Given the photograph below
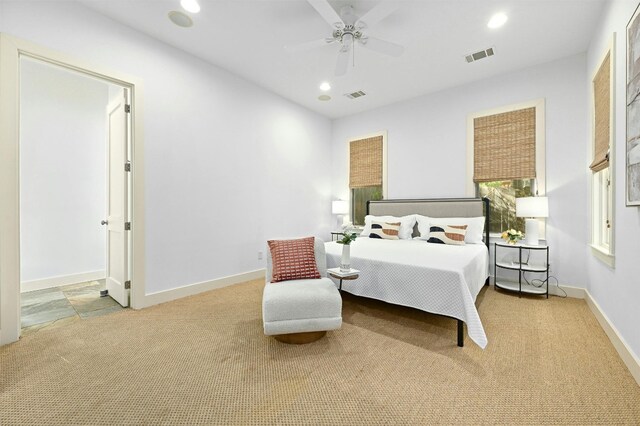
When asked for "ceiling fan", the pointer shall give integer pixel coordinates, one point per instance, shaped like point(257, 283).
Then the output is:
point(349, 30)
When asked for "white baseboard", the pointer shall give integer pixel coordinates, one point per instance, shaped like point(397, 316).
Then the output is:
point(60, 281)
point(628, 357)
point(573, 292)
point(191, 289)
point(626, 354)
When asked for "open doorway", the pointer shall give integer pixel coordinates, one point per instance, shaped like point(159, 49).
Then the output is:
point(73, 129)
point(130, 218)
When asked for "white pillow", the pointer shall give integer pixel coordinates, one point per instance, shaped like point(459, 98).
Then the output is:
point(475, 226)
point(406, 225)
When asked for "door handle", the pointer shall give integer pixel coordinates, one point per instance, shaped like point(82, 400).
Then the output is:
point(104, 222)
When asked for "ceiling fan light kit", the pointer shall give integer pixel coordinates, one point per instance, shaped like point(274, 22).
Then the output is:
point(348, 30)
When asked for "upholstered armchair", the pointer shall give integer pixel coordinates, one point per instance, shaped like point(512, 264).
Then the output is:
point(300, 310)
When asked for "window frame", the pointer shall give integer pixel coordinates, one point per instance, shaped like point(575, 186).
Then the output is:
point(382, 133)
point(602, 206)
point(603, 182)
point(540, 180)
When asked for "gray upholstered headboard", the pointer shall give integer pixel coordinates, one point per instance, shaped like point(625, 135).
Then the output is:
point(435, 207)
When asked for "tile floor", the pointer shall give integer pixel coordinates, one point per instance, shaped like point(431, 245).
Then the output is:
point(61, 305)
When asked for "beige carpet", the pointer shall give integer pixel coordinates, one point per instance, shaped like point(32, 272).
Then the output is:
point(204, 360)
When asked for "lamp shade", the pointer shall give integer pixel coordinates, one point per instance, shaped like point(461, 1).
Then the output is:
point(340, 207)
point(532, 207)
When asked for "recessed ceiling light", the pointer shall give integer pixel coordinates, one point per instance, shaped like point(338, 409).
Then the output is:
point(190, 5)
point(180, 19)
point(497, 20)
point(324, 98)
point(325, 87)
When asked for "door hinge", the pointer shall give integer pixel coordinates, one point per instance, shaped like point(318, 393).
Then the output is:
point(127, 108)
point(127, 166)
point(127, 226)
point(127, 285)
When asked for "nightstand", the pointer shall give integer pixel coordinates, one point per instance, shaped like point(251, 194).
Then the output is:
point(522, 265)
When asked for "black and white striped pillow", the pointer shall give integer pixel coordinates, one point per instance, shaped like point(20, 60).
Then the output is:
point(385, 230)
point(447, 234)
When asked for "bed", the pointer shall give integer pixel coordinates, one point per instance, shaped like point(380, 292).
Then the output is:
point(435, 278)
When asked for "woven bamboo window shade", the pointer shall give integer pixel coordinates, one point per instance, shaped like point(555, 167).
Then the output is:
point(602, 110)
point(365, 162)
point(504, 146)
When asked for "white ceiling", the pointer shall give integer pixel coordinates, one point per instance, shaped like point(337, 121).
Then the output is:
point(247, 37)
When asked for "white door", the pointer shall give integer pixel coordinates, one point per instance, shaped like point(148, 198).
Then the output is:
point(117, 205)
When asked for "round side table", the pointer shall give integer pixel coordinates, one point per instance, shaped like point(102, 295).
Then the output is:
point(343, 277)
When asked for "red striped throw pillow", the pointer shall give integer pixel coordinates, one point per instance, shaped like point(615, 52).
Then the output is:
point(293, 259)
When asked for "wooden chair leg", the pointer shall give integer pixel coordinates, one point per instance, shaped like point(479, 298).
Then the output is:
point(300, 338)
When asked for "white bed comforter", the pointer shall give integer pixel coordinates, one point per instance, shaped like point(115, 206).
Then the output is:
point(438, 278)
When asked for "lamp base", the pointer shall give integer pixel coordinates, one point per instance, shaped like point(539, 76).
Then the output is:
point(531, 232)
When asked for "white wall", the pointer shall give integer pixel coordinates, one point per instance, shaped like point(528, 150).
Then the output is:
point(62, 172)
point(228, 164)
point(427, 148)
point(617, 290)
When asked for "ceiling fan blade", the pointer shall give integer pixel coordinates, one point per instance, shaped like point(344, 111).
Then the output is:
point(343, 61)
point(308, 45)
point(326, 11)
point(377, 14)
point(382, 46)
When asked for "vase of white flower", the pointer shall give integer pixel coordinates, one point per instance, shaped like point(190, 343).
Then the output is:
point(348, 237)
point(345, 261)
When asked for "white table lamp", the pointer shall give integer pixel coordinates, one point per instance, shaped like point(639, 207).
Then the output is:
point(532, 208)
point(340, 207)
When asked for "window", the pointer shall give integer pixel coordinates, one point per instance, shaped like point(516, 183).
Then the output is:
point(503, 194)
point(367, 173)
point(601, 235)
point(602, 179)
point(505, 160)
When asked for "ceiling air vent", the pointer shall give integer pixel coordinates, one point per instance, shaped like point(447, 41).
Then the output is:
point(479, 55)
point(355, 95)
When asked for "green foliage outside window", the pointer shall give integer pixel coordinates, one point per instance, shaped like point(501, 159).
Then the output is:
point(503, 196)
point(359, 198)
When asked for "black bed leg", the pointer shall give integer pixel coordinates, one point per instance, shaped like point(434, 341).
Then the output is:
point(460, 333)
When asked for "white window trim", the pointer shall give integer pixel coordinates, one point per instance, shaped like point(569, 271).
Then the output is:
point(607, 258)
point(541, 183)
point(382, 133)
point(606, 253)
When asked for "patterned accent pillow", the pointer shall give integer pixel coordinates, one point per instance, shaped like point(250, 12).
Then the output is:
point(447, 234)
point(385, 230)
point(293, 259)
point(407, 224)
